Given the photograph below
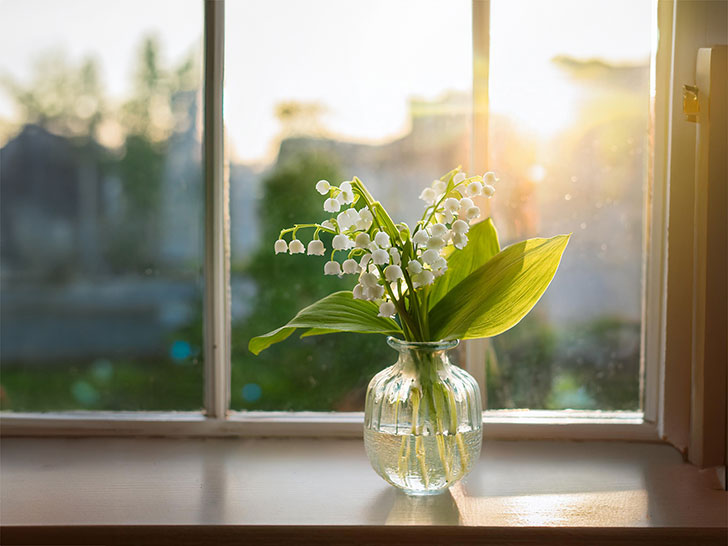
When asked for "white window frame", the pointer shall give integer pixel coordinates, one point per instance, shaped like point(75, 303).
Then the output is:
point(654, 424)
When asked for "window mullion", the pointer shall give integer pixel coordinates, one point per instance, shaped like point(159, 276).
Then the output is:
point(217, 221)
point(476, 350)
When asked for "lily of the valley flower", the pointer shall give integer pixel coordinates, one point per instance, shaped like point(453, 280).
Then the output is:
point(296, 247)
point(341, 242)
point(315, 248)
point(350, 267)
point(380, 257)
point(332, 205)
point(280, 246)
point(323, 187)
point(332, 268)
point(392, 273)
point(387, 309)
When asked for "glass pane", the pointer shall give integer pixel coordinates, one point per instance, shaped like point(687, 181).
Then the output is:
point(101, 205)
point(568, 137)
point(376, 89)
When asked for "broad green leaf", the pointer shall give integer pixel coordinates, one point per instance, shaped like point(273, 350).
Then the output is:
point(497, 295)
point(482, 246)
point(337, 312)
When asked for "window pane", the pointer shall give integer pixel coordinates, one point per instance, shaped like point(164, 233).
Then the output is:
point(101, 205)
point(568, 134)
point(376, 89)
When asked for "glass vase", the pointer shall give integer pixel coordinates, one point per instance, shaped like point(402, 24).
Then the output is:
point(423, 419)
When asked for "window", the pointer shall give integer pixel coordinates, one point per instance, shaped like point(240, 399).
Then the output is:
point(101, 206)
point(291, 119)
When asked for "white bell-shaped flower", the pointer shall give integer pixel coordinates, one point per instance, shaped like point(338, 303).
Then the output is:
point(472, 213)
point(414, 267)
point(382, 239)
point(358, 292)
point(368, 279)
point(460, 227)
point(350, 267)
point(473, 189)
point(429, 256)
point(465, 204)
point(394, 253)
point(346, 195)
point(365, 220)
point(362, 240)
point(451, 204)
point(323, 187)
point(488, 190)
point(392, 273)
point(374, 292)
point(372, 247)
point(387, 309)
point(296, 247)
point(344, 220)
point(365, 260)
point(438, 230)
point(423, 278)
point(280, 246)
point(439, 186)
point(332, 205)
point(489, 178)
point(421, 237)
point(459, 178)
point(380, 257)
point(439, 266)
point(340, 242)
point(315, 248)
point(436, 243)
point(332, 268)
point(328, 224)
point(459, 240)
point(428, 195)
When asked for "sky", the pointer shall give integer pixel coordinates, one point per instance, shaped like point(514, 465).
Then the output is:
point(361, 60)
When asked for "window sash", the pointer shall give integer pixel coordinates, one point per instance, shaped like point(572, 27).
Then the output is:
point(217, 419)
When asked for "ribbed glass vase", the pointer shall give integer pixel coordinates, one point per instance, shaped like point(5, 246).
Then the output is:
point(423, 419)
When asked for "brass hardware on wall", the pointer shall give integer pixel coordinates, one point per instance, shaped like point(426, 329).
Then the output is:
point(691, 106)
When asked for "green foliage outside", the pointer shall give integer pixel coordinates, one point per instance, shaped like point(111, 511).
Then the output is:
point(328, 372)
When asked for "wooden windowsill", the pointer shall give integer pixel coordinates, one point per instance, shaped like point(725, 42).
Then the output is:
point(188, 491)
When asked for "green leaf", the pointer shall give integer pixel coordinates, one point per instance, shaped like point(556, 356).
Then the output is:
point(482, 246)
point(497, 295)
point(337, 312)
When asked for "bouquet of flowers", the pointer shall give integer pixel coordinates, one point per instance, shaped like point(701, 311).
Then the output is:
point(444, 278)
